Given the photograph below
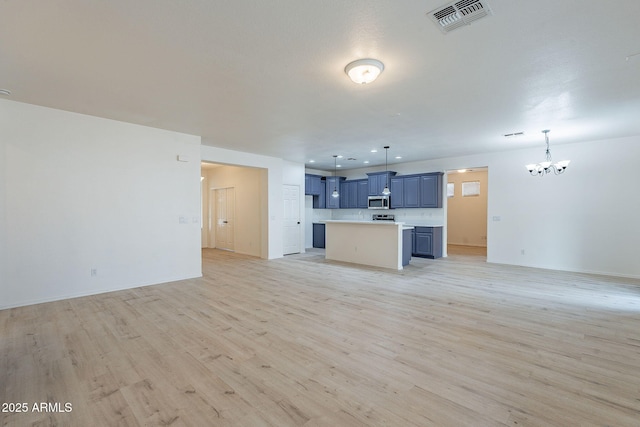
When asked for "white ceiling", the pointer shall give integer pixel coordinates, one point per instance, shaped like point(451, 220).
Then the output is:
point(268, 76)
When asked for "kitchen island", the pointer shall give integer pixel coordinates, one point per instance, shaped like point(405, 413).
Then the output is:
point(375, 243)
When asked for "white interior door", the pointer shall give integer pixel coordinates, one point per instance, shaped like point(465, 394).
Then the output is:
point(291, 221)
point(224, 218)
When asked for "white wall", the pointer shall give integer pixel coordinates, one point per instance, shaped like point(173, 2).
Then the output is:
point(279, 172)
point(584, 220)
point(81, 193)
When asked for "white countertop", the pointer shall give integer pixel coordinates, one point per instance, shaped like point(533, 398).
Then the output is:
point(404, 224)
point(346, 221)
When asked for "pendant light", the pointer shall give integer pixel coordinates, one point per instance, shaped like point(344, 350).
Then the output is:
point(335, 181)
point(385, 190)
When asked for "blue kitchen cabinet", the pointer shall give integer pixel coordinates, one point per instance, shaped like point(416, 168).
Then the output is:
point(349, 195)
point(396, 185)
point(354, 194)
point(318, 235)
point(427, 242)
point(405, 191)
point(407, 245)
point(312, 184)
point(333, 182)
point(431, 190)
point(320, 201)
point(377, 181)
point(363, 193)
point(411, 192)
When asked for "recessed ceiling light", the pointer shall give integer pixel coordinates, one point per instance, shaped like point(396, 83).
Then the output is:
point(5, 92)
point(339, 156)
point(398, 157)
point(366, 162)
point(338, 166)
point(312, 161)
point(374, 151)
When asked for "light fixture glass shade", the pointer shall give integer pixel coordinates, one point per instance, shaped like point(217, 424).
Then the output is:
point(363, 71)
point(335, 193)
point(386, 191)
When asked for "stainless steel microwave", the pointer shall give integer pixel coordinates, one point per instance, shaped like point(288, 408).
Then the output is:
point(379, 202)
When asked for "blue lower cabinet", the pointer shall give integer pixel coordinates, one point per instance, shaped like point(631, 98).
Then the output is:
point(318, 235)
point(407, 245)
point(427, 242)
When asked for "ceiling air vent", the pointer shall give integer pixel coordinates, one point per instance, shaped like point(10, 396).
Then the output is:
point(457, 14)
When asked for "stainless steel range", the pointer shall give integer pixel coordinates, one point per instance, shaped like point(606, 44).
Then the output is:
point(383, 217)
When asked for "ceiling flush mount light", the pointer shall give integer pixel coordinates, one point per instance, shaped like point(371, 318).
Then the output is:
point(385, 190)
point(363, 71)
point(335, 168)
point(547, 166)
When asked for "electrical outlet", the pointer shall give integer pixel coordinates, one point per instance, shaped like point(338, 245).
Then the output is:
point(94, 272)
point(521, 251)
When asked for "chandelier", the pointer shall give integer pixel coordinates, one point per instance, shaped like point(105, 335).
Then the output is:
point(547, 166)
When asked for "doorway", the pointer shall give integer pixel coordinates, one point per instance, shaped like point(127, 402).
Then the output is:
point(222, 226)
point(467, 212)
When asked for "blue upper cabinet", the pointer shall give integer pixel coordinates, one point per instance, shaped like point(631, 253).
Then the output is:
point(333, 182)
point(363, 193)
point(377, 181)
point(354, 194)
point(407, 191)
point(396, 186)
point(431, 190)
point(320, 202)
point(411, 192)
point(312, 184)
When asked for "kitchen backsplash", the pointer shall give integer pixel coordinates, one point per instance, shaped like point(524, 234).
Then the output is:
point(408, 216)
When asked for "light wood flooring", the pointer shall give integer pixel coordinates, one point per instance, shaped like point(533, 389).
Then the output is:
point(302, 341)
